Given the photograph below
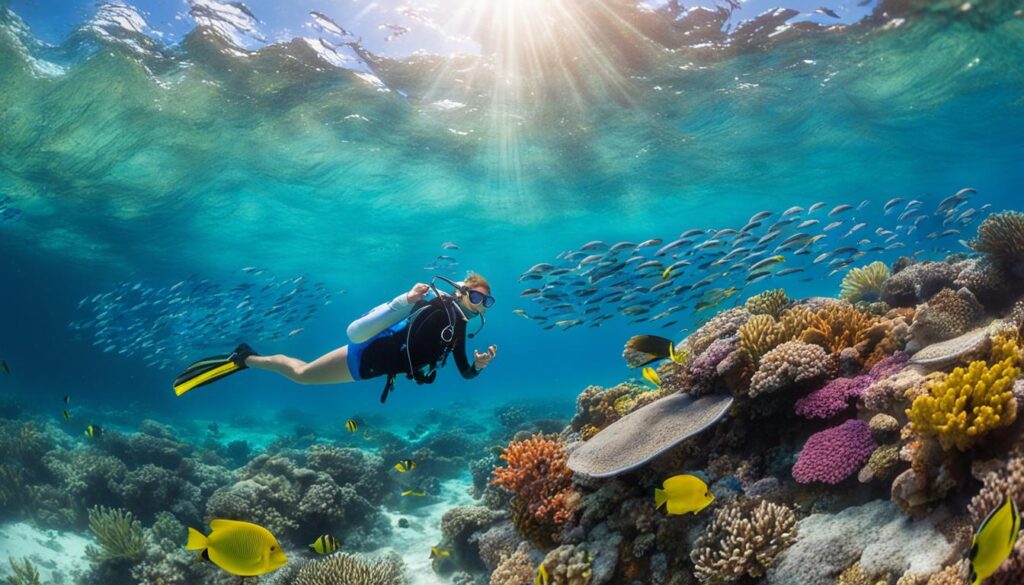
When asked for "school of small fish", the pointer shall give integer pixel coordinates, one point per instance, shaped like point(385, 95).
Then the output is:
point(8, 212)
point(165, 324)
point(658, 282)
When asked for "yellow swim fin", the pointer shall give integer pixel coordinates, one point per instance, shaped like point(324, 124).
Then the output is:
point(212, 369)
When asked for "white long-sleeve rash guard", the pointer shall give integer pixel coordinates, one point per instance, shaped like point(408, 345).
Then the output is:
point(379, 318)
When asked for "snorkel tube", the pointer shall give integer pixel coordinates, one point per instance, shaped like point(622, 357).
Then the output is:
point(464, 290)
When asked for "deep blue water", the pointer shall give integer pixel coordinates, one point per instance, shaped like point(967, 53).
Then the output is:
point(137, 159)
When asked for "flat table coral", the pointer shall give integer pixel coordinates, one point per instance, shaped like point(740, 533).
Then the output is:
point(947, 353)
point(646, 433)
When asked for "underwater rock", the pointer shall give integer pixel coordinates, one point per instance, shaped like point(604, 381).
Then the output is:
point(646, 433)
point(947, 353)
point(875, 534)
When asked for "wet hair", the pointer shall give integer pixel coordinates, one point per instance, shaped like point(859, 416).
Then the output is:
point(474, 280)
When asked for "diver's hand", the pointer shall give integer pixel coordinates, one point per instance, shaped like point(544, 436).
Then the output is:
point(417, 293)
point(480, 360)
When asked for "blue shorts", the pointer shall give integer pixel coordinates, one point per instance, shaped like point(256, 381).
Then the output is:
point(355, 350)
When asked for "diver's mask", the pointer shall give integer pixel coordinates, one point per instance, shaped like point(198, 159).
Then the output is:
point(475, 297)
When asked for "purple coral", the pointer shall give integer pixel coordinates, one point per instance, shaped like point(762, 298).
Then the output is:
point(832, 455)
point(835, 396)
point(704, 369)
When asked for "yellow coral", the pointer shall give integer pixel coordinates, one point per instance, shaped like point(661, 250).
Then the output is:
point(838, 326)
point(970, 401)
point(864, 284)
point(758, 336)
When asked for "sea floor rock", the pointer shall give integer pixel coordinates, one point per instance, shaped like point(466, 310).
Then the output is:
point(647, 432)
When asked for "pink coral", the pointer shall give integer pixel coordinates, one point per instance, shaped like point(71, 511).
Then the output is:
point(835, 396)
point(834, 454)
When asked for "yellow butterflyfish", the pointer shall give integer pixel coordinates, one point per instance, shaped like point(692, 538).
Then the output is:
point(240, 548)
point(683, 494)
point(542, 575)
point(652, 376)
point(994, 541)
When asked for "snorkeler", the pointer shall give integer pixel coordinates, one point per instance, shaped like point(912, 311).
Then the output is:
point(409, 335)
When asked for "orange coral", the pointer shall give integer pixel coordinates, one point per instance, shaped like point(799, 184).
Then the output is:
point(838, 326)
point(538, 477)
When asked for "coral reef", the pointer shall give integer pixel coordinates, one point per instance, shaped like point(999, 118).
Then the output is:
point(514, 569)
point(743, 539)
point(832, 455)
point(537, 475)
point(119, 535)
point(917, 283)
point(344, 568)
point(946, 315)
point(970, 402)
point(771, 303)
point(793, 362)
point(864, 283)
point(1001, 238)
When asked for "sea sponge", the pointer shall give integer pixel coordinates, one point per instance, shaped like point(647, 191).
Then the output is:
point(793, 362)
point(946, 315)
point(770, 302)
point(537, 475)
point(883, 426)
point(865, 283)
point(348, 568)
point(742, 539)
point(118, 533)
point(832, 455)
point(882, 464)
point(1001, 237)
point(971, 401)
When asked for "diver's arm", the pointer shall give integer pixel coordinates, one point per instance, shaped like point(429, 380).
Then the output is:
point(467, 369)
point(379, 318)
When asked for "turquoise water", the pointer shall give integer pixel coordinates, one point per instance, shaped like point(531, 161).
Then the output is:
point(140, 159)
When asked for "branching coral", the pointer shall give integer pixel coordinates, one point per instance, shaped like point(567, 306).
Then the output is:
point(793, 362)
point(742, 539)
point(344, 568)
point(838, 326)
point(770, 302)
point(865, 283)
point(24, 573)
point(536, 473)
point(514, 569)
point(119, 535)
point(970, 402)
point(758, 336)
point(832, 455)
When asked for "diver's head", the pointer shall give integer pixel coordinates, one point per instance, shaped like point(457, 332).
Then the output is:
point(474, 295)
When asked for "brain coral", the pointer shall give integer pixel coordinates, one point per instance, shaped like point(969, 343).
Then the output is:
point(770, 302)
point(793, 362)
point(971, 401)
point(832, 455)
point(743, 539)
point(917, 283)
point(947, 315)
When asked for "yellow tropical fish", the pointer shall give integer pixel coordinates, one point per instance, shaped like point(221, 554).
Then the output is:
point(542, 575)
point(417, 493)
point(324, 544)
point(405, 465)
point(351, 425)
point(675, 356)
point(437, 553)
point(93, 431)
point(652, 376)
point(682, 494)
point(67, 416)
point(240, 548)
point(994, 541)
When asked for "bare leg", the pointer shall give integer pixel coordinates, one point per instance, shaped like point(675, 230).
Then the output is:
point(331, 368)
